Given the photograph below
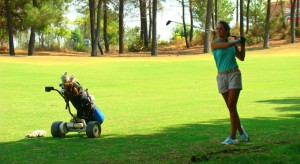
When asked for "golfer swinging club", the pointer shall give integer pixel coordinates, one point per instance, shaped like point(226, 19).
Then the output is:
point(229, 76)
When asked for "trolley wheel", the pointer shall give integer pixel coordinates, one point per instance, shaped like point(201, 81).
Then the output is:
point(55, 129)
point(93, 129)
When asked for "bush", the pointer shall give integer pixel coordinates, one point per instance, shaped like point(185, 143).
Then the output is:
point(251, 40)
point(80, 47)
point(235, 32)
point(136, 45)
point(163, 43)
point(4, 47)
point(178, 42)
point(287, 34)
point(257, 31)
point(198, 38)
point(298, 32)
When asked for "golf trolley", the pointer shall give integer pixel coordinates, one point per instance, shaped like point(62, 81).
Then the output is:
point(90, 121)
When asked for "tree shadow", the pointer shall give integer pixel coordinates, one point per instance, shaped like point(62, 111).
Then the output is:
point(175, 144)
point(293, 104)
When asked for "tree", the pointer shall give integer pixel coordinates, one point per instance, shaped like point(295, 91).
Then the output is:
point(247, 16)
point(216, 14)
point(154, 39)
point(40, 14)
point(17, 12)
point(297, 14)
point(105, 35)
point(257, 17)
point(184, 25)
point(98, 26)
point(150, 19)
point(293, 33)
point(282, 13)
point(237, 14)
point(109, 27)
point(61, 32)
point(143, 16)
point(242, 17)
point(192, 21)
point(32, 33)
point(121, 27)
point(207, 27)
point(9, 28)
point(95, 25)
point(92, 26)
point(225, 11)
point(242, 24)
point(267, 25)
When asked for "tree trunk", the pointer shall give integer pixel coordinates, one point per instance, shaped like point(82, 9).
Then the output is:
point(184, 25)
point(141, 19)
point(267, 25)
point(216, 13)
point(212, 21)
point(85, 29)
point(106, 42)
point(207, 27)
point(297, 14)
point(100, 48)
point(32, 34)
point(192, 21)
point(247, 16)
point(145, 24)
point(154, 39)
point(282, 13)
point(42, 40)
point(242, 24)
point(97, 39)
point(242, 17)
point(143, 14)
point(293, 33)
point(31, 41)
point(150, 20)
point(237, 14)
point(121, 27)
point(92, 25)
point(9, 28)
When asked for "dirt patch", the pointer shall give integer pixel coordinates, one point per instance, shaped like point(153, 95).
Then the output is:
point(170, 50)
point(216, 155)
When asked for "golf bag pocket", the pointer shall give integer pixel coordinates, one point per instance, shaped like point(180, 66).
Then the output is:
point(98, 115)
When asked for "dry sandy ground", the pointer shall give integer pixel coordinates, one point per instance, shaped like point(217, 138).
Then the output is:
point(166, 50)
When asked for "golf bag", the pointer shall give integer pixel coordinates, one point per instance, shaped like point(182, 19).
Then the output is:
point(82, 102)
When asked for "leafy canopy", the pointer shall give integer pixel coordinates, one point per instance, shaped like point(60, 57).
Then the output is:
point(225, 11)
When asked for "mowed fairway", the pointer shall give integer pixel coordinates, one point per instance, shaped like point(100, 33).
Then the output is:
point(162, 109)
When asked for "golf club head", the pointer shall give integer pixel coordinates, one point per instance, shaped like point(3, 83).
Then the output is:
point(168, 22)
point(48, 89)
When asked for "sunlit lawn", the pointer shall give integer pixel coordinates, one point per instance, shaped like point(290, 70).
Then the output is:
point(162, 109)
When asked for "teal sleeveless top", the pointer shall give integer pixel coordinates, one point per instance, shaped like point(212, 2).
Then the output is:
point(225, 58)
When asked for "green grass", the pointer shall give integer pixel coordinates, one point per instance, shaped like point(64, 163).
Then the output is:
point(157, 109)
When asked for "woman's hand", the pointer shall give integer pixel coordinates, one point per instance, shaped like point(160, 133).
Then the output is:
point(240, 54)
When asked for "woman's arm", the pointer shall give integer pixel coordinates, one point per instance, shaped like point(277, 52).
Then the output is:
point(216, 45)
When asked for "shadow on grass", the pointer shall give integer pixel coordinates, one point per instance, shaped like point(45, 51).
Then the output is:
point(176, 144)
point(292, 105)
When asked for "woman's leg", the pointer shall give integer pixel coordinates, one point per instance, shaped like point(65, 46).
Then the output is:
point(231, 98)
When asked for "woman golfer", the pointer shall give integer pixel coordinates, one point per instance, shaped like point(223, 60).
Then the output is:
point(229, 77)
